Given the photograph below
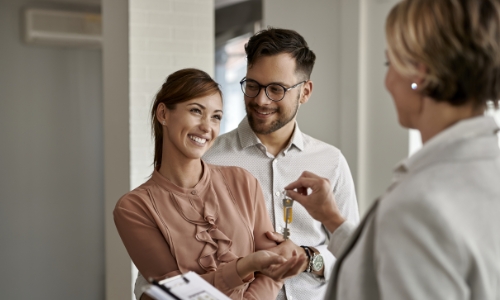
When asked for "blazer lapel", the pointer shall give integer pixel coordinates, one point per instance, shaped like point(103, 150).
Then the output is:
point(332, 289)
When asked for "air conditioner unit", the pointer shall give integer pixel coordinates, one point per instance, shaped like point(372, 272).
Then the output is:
point(62, 28)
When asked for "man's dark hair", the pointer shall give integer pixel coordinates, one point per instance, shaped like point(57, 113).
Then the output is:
point(273, 41)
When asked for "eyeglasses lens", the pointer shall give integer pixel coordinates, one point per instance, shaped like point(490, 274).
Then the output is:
point(251, 89)
point(274, 92)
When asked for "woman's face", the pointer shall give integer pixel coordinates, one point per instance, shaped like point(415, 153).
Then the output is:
point(191, 128)
point(407, 101)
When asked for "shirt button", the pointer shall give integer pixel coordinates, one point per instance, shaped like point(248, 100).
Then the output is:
point(193, 192)
point(277, 194)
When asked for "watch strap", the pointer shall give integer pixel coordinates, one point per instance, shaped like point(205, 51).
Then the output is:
point(309, 258)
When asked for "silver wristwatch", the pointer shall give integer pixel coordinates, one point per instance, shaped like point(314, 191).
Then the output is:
point(316, 261)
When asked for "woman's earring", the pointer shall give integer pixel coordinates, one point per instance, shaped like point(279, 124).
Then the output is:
point(414, 86)
point(163, 123)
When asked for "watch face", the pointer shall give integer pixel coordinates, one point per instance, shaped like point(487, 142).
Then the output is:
point(317, 263)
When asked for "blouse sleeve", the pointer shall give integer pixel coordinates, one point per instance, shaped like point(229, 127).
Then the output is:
point(151, 253)
point(262, 287)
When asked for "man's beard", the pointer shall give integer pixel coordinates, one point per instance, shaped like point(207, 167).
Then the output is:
point(276, 124)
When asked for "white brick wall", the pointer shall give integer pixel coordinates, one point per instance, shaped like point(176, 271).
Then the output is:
point(165, 36)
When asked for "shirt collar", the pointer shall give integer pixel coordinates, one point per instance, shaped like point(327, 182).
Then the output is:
point(248, 138)
point(445, 145)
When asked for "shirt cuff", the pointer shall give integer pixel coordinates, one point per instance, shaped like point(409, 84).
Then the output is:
point(140, 282)
point(328, 261)
point(340, 236)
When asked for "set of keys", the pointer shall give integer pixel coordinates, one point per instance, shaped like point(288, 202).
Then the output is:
point(287, 214)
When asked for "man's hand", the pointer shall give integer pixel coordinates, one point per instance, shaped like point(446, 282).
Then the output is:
point(320, 204)
point(284, 247)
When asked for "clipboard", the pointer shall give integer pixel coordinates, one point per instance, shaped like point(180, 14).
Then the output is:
point(188, 286)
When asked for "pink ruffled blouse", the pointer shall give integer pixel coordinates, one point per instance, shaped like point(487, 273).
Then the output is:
point(169, 230)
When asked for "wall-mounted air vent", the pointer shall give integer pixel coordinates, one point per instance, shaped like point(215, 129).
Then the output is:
point(64, 28)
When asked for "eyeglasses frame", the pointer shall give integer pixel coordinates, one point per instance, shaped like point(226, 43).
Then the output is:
point(285, 89)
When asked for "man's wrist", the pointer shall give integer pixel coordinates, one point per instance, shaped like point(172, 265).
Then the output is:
point(332, 220)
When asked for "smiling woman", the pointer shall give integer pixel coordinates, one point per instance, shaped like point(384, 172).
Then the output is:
point(193, 216)
point(179, 97)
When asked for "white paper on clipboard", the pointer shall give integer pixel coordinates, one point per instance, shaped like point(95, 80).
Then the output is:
point(189, 286)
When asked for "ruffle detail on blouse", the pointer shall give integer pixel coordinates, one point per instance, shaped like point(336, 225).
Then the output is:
point(217, 244)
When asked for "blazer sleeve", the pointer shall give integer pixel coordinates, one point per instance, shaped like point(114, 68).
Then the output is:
point(345, 193)
point(339, 237)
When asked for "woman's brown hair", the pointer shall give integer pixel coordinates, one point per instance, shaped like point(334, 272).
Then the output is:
point(180, 86)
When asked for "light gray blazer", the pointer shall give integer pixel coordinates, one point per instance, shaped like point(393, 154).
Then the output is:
point(435, 234)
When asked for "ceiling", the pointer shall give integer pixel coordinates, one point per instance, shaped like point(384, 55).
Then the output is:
point(222, 3)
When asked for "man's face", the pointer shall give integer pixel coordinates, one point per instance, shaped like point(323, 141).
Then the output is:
point(264, 115)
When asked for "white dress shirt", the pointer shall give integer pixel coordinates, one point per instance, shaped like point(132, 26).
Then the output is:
point(435, 234)
point(242, 148)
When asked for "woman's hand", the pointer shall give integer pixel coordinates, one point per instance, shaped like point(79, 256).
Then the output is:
point(286, 248)
point(271, 264)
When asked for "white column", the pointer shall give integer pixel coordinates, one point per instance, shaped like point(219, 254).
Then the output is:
point(144, 42)
point(116, 141)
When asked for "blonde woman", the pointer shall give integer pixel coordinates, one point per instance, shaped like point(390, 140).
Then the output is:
point(435, 233)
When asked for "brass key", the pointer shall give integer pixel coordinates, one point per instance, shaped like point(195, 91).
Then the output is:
point(287, 214)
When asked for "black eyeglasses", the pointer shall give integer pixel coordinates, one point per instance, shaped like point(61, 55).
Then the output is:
point(274, 91)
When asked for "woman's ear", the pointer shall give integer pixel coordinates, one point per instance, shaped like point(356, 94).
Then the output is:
point(422, 71)
point(162, 113)
point(308, 87)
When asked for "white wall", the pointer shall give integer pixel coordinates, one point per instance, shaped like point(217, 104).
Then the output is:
point(382, 141)
point(164, 36)
point(331, 28)
point(319, 23)
point(51, 189)
point(349, 107)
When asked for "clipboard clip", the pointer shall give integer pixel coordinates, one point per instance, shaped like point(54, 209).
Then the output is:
point(165, 288)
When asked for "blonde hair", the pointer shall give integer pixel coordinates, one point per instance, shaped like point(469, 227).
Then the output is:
point(458, 41)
